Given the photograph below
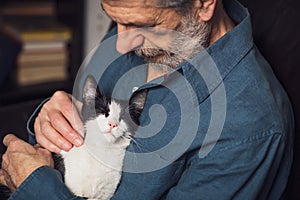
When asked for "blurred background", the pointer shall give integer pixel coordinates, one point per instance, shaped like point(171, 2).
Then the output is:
point(43, 43)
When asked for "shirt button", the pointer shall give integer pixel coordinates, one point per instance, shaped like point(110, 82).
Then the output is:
point(134, 89)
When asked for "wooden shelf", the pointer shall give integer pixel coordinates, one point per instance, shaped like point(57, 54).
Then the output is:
point(52, 36)
point(23, 8)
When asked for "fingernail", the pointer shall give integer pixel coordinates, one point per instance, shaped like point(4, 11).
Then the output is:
point(78, 142)
point(55, 149)
point(66, 146)
point(80, 132)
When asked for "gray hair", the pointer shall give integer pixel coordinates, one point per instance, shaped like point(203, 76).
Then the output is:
point(182, 6)
point(171, 3)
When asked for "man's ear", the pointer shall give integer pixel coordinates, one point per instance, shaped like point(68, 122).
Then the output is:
point(207, 9)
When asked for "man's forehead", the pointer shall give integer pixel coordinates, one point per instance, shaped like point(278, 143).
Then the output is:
point(130, 3)
point(131, 11)
point(145, 3)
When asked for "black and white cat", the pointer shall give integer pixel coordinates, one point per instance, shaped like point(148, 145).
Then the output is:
point(93, 170)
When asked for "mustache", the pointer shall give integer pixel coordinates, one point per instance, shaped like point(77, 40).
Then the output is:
point(191, 38)
point(151, 52)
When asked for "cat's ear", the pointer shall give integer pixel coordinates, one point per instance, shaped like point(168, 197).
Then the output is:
point(138, 99)
point(136, 104)
point(90, 90)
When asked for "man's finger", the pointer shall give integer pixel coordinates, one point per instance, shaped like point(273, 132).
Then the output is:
point(71, 114)
point(5, 179)
point(14, 143)
point(4, 161)
point(2, 177)
point(10, 138)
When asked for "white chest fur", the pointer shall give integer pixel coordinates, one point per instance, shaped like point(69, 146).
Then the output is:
point(94, 169)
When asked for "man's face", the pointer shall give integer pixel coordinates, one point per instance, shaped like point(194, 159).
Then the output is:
point(152, 31)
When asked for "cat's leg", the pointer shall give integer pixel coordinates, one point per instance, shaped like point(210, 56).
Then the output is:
point(107, 185)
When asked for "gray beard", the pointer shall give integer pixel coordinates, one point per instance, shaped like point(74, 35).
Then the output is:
point(191, 39)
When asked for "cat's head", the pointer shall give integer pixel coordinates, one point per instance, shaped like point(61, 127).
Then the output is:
point(114, 118)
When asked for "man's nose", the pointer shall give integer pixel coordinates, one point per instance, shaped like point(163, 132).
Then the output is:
point(128, 39)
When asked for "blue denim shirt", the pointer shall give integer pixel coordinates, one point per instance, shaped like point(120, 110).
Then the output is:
point(219, 126)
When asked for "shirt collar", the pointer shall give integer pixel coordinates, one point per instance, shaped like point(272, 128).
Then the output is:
point(218, 60)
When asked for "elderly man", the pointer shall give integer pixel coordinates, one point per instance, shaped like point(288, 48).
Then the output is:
point(228, 127)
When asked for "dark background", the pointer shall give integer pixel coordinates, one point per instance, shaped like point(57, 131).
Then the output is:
point(276, 30)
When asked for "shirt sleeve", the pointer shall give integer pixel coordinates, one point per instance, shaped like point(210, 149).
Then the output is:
point(43, 183)
point(30, 122)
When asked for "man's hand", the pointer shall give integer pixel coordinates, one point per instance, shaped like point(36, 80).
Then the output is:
point(20, 160)
point(58, 123)
point(5, 179)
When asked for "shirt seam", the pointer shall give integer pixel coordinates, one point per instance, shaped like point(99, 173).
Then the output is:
point(247, 140)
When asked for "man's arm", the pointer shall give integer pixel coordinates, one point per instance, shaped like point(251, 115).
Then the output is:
point(254, 168)
point(31, 173)
point(43, 183)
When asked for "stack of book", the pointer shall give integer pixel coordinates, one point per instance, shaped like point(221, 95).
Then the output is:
point(44, 55)
point(28, 8)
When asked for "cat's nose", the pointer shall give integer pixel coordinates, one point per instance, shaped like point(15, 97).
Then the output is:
point(112, 125)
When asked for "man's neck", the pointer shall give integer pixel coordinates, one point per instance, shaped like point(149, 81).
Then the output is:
point(221, 24)
point(153, 73)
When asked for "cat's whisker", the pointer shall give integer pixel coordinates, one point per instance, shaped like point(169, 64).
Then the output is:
point(135, 142)
point(124, 137)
